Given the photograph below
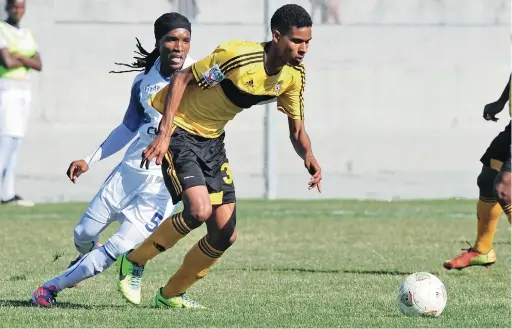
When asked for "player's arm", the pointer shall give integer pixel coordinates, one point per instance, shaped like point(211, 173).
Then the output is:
point(302, 145)
point(492, 109)
point(33, 62)
point(205, 73)
point(291, 102)
point(116, 140)
point(158, 148)
point(9, 60)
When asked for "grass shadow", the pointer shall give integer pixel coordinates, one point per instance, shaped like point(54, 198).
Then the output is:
point(308, 270)
point(64, 305)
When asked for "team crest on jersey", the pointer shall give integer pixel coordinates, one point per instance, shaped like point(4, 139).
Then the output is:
point(277, 87)
point(213, 75)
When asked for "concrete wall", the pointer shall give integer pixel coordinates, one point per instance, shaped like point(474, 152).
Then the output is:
point(393, 100)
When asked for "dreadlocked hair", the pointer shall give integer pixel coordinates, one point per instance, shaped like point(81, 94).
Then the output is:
point(143, 62)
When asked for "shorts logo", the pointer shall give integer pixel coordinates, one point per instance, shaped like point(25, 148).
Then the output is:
point(213, 75)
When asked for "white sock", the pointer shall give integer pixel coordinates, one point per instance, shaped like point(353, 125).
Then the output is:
point(89, 265)
point(98, 260)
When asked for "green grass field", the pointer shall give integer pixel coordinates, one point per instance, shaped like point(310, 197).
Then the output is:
point(295, 264)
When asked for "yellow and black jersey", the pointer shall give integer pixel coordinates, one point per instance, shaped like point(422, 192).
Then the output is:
point(231, 79)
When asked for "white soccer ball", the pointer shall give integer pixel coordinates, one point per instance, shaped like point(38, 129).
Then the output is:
point(422, 293)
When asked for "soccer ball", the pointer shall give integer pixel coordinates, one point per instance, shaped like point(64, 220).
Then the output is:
point(422, 293)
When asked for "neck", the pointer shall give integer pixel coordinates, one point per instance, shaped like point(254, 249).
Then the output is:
point(165, 68)
point(273, 64)
point(11, 21)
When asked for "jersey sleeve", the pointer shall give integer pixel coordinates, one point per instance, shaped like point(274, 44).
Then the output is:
point(135, 111)
point(209, 71)
point(291, 101)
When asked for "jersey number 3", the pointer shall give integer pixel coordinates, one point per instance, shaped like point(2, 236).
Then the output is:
point(228, 179)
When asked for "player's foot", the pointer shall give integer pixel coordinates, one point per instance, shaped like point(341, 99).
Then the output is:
point(44, 297)
point(471, 257)
point(180, 301)
point(130, 275)
point(19, 201)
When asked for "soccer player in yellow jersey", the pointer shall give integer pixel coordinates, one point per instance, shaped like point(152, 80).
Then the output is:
point(200, 101)
point(494, 183)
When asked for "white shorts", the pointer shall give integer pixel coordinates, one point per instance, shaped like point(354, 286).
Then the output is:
point(14, 111)
point(128, 195)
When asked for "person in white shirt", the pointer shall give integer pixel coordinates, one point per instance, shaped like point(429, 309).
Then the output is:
point(134, 196)
point(18, 55)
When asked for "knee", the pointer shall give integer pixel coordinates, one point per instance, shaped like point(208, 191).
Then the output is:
point(200, 211)
point(502, 188)
point(232, 239)
point(485, 182)
point(83, 239)
point(80, 233)
point(222, 240)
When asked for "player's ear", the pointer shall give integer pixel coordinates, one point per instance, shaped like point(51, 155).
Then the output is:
point(276, 35)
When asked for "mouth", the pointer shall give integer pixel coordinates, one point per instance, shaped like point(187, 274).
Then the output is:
point(299, 59)
point(176, 59)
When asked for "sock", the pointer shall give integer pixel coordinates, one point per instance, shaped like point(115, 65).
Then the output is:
point(99, 259)
point(507, 209)
point(165, 237)
point(488, 214)
point(195, 265)
point(91, 264)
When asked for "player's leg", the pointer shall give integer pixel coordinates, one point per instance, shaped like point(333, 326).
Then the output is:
point(221, 235)
point(101, 211)
point(163, 238)
point(196, 208)
point(90, 264)
point(9, 151)
point(147, 211)
point(488, 214)
point(502, 187)
point(488, 208)
point(14, 113)
point(185, 181)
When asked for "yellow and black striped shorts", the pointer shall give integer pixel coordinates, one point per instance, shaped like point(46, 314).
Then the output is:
point(194, 160)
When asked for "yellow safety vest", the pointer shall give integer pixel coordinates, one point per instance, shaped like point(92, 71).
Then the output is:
point(19, 42)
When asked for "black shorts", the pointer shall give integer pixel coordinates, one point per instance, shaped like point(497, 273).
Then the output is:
point(193, 160)
point(497, 155)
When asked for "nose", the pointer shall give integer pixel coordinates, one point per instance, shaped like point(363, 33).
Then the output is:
point(178, 46)
point(303, 48)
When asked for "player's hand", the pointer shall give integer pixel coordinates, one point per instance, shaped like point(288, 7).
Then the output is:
point(156, 150)
point(76, 168)
point(491, 110)
point(316, 173)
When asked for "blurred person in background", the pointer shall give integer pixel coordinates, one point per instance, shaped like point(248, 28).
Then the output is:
point(18, 55)
point(188, 8)
point(328, 9)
